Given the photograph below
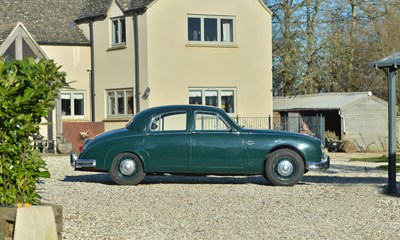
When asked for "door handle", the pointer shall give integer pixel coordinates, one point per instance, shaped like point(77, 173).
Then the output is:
point(250, 142)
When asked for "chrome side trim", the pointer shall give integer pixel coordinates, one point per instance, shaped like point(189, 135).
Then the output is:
point(81, 163)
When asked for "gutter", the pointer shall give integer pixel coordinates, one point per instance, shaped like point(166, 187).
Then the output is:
point(135, 13)
point(136, 46)
point(92, 90)
point(64, 44)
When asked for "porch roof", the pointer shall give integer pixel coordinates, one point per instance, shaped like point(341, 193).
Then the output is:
point(389, 61)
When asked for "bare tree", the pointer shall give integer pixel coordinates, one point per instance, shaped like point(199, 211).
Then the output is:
point(326, 46)
point(286, 46)
point(311, 83)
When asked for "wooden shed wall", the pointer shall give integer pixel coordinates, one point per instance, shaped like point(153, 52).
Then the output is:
point(365, 124)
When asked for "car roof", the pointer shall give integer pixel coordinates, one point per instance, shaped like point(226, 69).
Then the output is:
point(142, 118)
point(167, 108)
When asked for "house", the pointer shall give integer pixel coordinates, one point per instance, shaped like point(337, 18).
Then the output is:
point(148, 53)
point(122, 56)
point(52, 33)
point(359, 117)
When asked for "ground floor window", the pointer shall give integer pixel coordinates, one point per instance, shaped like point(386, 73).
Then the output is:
point(119, 102)
point(218, 97)
point(73, 104)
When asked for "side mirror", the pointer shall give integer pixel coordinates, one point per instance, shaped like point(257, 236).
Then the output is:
point(233, 130)
point(154, 126)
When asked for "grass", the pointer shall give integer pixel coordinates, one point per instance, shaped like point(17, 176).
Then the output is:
point(382, 159)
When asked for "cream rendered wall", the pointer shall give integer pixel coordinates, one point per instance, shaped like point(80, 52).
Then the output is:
point(75, 61)
point(169, 65)
point(173, 65)
point(114, 67)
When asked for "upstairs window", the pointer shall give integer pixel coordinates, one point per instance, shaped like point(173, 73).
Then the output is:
point(211, 29)
point(118, 33)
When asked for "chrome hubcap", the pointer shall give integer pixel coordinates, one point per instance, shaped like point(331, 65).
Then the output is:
point(127, 167)
point(285, 168)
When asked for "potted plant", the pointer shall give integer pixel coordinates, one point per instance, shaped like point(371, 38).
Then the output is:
point(64, 147)
point(28, 90)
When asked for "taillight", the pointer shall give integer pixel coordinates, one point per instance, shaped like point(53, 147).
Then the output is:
point(80, 148)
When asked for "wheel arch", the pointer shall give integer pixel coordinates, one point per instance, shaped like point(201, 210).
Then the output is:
point(285, 147)
point(140, 153)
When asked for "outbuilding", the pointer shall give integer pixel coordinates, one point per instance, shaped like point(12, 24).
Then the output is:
point(359, 117)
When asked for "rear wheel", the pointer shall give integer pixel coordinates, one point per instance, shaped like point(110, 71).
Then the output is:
point(127, 169)
point(284, 167)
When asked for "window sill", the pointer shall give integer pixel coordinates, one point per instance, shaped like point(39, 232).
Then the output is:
point(74, 119)
point(117, 119)
point(212, 45)
point(116, 47)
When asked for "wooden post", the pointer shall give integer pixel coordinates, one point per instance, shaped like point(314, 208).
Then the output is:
point(8, 219)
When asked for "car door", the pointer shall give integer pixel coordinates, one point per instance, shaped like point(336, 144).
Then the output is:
point(167, 142)
point(215, 147)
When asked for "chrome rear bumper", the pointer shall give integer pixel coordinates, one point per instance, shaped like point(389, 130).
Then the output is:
point(323, 165)
point(81, 163)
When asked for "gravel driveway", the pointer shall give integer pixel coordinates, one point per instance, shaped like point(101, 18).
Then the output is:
point(345, 202)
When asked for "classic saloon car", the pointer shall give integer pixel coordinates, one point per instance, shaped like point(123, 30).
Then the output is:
point(192, 139)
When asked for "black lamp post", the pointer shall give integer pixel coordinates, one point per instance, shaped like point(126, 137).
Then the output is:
point(391, 64)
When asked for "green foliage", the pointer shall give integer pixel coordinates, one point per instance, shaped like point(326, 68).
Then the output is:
point(374, 159)
point(28, 90)
point(379, 160)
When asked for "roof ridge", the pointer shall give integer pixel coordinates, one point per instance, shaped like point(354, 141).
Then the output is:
point(325, 94)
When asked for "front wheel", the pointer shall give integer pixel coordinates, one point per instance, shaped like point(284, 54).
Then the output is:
point(284, 167)
point(127, 169)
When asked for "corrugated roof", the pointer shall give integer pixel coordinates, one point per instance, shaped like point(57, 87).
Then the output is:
point(48, 21)
point(389, 61)
point(321, 101)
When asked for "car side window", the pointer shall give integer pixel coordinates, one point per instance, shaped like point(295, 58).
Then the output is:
point(169, 122)
point(209, 122)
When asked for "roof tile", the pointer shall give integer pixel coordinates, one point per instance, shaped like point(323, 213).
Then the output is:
point(5, 31)
point(97, 9)
point(48, 21)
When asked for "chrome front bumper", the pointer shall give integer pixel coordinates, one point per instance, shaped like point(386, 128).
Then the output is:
point(81, 163)
point(323, 165)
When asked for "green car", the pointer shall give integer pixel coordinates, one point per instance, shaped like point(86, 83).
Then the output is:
point(198, 140)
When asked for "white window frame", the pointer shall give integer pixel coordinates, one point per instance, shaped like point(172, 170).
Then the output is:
point(219, 95)
point(219, 31)
point(72, 94)
point(121, 31)
point(109, 113)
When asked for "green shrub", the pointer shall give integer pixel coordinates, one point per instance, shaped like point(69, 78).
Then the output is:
point(28, 90)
